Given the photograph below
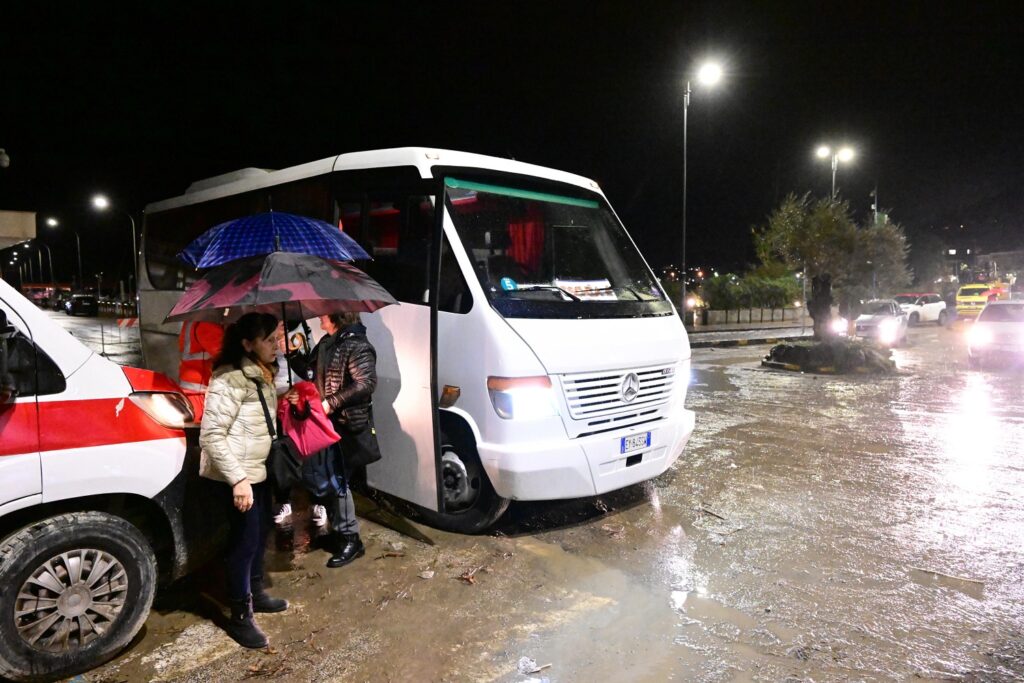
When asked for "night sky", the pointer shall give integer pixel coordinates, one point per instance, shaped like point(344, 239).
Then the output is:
point(140, 99)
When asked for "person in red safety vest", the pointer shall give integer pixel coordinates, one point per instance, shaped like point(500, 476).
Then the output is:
point(199, 343)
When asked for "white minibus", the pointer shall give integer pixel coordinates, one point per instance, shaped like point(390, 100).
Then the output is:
point(533, 356)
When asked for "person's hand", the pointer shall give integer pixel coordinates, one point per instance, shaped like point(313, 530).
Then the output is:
point(242, 492)
point(292, 396)
point(326, 406)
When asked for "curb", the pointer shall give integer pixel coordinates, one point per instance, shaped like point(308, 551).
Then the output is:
point(722, 343)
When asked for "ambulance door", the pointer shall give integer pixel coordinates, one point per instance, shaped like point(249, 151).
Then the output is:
point(20, 469)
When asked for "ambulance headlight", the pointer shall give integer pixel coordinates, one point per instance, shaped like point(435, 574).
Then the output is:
point(522, 398)
point(168, 409)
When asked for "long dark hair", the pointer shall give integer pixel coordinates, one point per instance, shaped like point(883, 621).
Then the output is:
point(249, 327)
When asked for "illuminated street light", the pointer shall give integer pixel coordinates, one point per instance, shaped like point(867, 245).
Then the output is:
point(53, 223)
point(843, 154)
point(708, 74)
point(101, 203)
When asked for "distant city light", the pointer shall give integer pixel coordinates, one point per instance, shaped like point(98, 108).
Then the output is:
point(691, 302)
point(952, 252)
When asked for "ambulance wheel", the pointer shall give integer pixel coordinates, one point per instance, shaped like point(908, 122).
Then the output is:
point(470, 503)
point(74, 590)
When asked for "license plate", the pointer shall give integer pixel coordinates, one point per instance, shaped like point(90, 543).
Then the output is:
point(635, 442)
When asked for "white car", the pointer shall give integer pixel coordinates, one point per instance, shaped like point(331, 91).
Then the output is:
point(997, 334)
point(923, 308)
point(884, 321)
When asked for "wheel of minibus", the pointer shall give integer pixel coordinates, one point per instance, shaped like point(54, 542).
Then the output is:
point(471, 504)
point(74, 590)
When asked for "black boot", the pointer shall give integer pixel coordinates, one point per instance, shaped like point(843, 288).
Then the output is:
point(261, 602)
point(348, 548)
point(242, 627)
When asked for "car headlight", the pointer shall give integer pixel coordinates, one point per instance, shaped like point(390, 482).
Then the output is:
point(168, 409)
point(887, 330)
point(838, 325)
point(979, 336)
point(522, 398)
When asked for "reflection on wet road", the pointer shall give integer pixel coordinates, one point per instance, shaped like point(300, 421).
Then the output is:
point(819, 528)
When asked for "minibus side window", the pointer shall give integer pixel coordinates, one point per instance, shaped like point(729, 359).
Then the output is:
point(34, 373)
point(398, 234)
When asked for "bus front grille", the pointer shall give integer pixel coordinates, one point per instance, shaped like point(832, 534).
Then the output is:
point(593, 395)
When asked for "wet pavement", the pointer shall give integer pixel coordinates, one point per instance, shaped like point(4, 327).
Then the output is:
point(103, 335)
point(819, 528)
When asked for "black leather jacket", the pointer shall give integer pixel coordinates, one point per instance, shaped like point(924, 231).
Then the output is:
point(345, 371)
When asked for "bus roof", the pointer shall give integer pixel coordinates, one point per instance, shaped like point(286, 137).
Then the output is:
point(423, 158)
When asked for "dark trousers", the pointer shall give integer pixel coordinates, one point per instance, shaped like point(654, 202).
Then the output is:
point(341, 508)
point(247, 539)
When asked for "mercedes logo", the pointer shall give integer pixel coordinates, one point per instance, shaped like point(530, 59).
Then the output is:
point(630, 387)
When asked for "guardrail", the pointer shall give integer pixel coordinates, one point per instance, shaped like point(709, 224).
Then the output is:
point(120, 309)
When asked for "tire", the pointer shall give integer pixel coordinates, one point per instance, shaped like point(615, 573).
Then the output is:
point(82, 542)
point(915, 318)
point(943, 317)
point(471, 504)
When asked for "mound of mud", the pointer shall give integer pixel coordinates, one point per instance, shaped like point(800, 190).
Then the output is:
point(838, 355)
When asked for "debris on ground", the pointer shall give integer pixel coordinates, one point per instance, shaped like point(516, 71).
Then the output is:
point(707, 511)
point(838, 355)
point(613, 531)
point(389, 553)
point(469, 576)
point(529, 666)
point(426, 574)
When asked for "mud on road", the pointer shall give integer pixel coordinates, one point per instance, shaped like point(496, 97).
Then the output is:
point(818, 528)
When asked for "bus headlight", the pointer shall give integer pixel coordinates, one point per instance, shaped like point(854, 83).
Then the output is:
point(522, 398)
point(165, 408)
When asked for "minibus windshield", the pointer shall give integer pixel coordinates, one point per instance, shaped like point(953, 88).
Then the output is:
point(547, 255)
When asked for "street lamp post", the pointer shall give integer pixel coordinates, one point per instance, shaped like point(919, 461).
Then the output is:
point(101, 203)
point(709, 74)
point(843, 154)
point(53, 223)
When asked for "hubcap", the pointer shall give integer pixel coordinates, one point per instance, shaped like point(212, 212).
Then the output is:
point(460, 491)
point(70, 600)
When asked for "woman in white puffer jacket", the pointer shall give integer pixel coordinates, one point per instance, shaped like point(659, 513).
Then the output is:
point(235, 442)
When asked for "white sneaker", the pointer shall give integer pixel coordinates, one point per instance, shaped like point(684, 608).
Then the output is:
point(320, 516)
point(284, 515)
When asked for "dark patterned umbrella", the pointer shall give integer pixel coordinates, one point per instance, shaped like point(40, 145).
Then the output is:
point(294, 286)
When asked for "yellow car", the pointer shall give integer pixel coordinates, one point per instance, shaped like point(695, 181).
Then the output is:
point(970, 299)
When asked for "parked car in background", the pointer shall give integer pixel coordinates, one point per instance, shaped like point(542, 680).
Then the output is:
point(997, 335)
point(81, 304)
point(923, 307)
point(883, 321)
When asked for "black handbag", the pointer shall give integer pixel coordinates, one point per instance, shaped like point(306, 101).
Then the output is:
point(359, 446)
point(284, 465)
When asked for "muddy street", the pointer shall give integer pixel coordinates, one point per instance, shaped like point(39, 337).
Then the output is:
point(818, 528)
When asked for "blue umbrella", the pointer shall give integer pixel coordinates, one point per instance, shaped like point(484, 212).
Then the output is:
point(265, 233)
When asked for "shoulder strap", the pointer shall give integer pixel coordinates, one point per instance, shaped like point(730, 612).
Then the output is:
point(266, 411)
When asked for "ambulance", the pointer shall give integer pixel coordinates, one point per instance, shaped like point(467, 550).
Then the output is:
point(92, 486)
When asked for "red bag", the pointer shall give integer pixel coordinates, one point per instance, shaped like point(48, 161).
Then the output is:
point(308, 426)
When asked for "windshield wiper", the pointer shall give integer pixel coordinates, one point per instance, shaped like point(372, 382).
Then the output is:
point(547, 288)
point(638, 295)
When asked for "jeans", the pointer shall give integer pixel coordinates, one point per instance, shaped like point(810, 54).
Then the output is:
point(341, 508)
point(247, 539)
